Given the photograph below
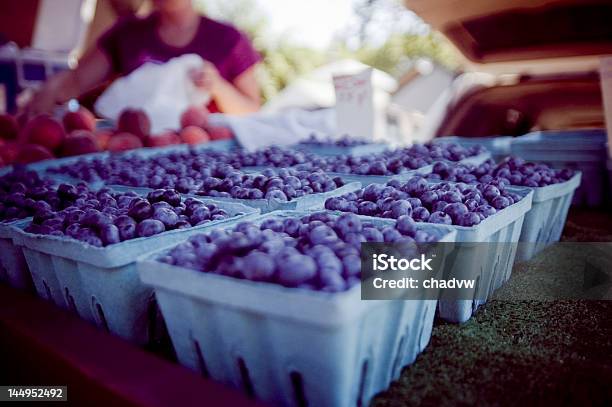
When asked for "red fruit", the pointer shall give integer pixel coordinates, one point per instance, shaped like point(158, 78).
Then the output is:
point(9, 128)
point(134, 121)
point(123, 142)
point(102, 138)
point(167, 138)
point(82, 119)
point(29, 153)
point(194, 135)
point(9, 151)
point(79, 142)
point(219, 133)
point(45, 131)
point(194, 116)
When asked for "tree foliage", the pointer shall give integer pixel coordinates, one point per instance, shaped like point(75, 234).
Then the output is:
point(283, 61)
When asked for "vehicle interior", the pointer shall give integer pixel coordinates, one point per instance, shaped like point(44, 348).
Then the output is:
point(545, 102)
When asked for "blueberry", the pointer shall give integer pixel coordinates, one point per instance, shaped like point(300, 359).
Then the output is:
point(440, 217)
point(348, 223)
point(406, 225)
point(92, 240)
point(456, 210)
point(109, 234)
point(166, 216)
point(275, 224)
point(372, 234)
point(331, 281)
point(500, 202)
point(297, 270)
point(96, 219)
point(172, 197)
point(322, 235)
point(451, 197)
point(276, 194)
point(149, 227)
point(141, 210)
point(67, 192)
point(469, 219)
point(391, 234)
point(367, 208)
point(351, 265)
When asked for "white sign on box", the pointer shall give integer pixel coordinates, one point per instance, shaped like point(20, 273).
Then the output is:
point(355, 105)
point(163, 91)
point(605, 75)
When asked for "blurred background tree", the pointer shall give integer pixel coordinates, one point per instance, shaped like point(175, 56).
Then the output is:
point(384, 34)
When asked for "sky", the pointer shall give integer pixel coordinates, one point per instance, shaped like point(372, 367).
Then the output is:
point(312, 22)
point(315, 23)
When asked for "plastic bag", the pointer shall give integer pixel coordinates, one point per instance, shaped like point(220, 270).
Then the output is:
point(163, 91)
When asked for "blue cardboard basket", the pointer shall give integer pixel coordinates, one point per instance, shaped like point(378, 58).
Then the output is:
point(217, 145)
point(101, 284)
point(582, 150)
point(486, 253)
point(499, 146)
point(13, 267)
point(331, 150)
point(544, 222)
point(289, 346)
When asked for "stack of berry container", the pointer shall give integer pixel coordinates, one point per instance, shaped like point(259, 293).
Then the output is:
point(101, 284)
point(577, 150)
point(290, 346)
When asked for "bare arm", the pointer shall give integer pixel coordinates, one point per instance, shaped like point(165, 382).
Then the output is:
point(92, 70)
point(242, 96)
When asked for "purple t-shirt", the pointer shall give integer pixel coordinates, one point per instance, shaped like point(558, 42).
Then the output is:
point(133, 41)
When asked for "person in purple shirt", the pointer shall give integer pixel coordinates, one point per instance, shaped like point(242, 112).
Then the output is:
point(173, 29)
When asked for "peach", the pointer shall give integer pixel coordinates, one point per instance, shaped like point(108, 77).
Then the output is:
point(29, 153)
point(102, 138)
point(45, 131)
point(82, 119)
point(194, 116)
point(219, 132)
point(194, 135)
point(79, 142)
point(9, 128)
point(123, 142)
point(9, 151)
point(166, 138)
point(134, 121)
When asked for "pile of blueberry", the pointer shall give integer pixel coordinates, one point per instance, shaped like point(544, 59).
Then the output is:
point(511, 171)
point(393, 162)
point(23, 192)
point(105, 217)
point(282, 184)
point(185, 171)
point(320, 251)
point(182, 171)
point(446, 203)
point(270, 157)
point(344, 141)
